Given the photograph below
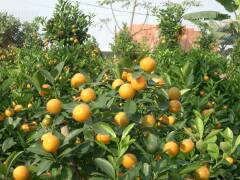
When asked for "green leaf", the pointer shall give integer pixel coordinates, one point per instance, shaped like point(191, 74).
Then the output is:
point(225, 147)
point(104, 128)
point(183, 91)
point(66, 173)
point(200, 127)
point(213, 150)
point(43, 166)
point(201, 146)
point(12, 159)
point(212, 133)
point(228, 135)
point(229, 5)
point(8, 143)
point(237, 142)
point(189, 169)
point(151, 142)
point(57, 70)
point(47, 75)
point(147, 171)
point(72, 135)
point(127, 130)
point(105, 167)
point(130, 107)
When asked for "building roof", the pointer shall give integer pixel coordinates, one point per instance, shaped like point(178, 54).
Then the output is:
point(149, 34)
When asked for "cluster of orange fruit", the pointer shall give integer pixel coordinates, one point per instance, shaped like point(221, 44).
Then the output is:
point(9, 112)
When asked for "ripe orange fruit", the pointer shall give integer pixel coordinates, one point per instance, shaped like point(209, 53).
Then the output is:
point(21, 173)
point(18, 108)
point(230, 160)
point(170, 120)
point(205, 77)
point(129, 77)
point(88, 95)
point(159, 81)
point(202, 93)
point(174, 93)
point(121, 119)
point(186, 146)
point(54, 106)
point(116, 83)
point(126, 91)
point(148, 64)
point(139, 83)
point(9, 112)
point(207, 112)
point(202, 173)
point(81, 113)
point(46, 86)
point(129, 160)
point(46, 135)
point(124, 75)
point(105, 139)
point(77, 80)
point(25, 128)
point(47, 121)
point(171, 148)
point(148, 121)
point(2, 117)
point(174, 106)
point(50, 143)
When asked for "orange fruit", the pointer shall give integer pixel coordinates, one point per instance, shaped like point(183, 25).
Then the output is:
point(202, 173)
point(171, 148)
point(29, 105)
point(105, 139)
point(77, 80)
point(42, 93)
point(88, 95)
point(129, 160)
point(21, 173)
point(81, 113)
point(129, 77)
point(54, 106)
point(159, 81)
point(116, 83)
point(202, 93)
point(174, 106)
point(126, 91)
point(205, 77)
point(50, 143)
point(174, 93)
point(148, 121)
point(2, 117)
point(139, 83)
point(121, 119)
point(46, 135)
point(170, 120)
point(148, 64)
point(47, 121)
point(230, 160)
point(18, 108)
point(9, 112)
point(25, 127)
point(207, 112)
point(46, 86)
point(124, 75)
point(186, 146)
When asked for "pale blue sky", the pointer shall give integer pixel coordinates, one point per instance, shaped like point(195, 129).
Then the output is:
point(28, 9)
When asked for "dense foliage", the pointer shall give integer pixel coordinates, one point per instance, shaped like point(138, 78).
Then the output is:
point(67, 112)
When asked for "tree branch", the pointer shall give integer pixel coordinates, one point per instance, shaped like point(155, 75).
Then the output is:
point(114, 17)
point(133, 14)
